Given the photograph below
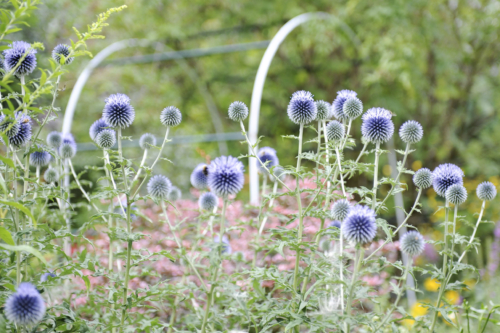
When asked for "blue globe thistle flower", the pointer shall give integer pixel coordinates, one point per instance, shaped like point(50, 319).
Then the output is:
point(267, 156)
point(174, 194)
point(208, 201)
point(117, 111)
point(302, 108)
point(9, 126)
point(456, 194)
point(226, 247)
point(225, 176)
point(171, 116)
point(486, 191)
point(45, 276)
point(446, 175)
point(147, 141)
point(159, 186)
point(199, 176)
point(68, 146)
point(352, 108)
point(54, 139)
point(24, 133)
point(359, 226)
point(377, 125)
point(340, 209)
point(13, 55)
point(62, 50)
point(26, 306)
point(338, 103)
point(51, 175)
point(411, 132)
point(335, 224)
point(423, 178)
point(97, 127)
point(412, 243)
point(40, 158)
point(335, 131)
point(238, 111)
point(324, 110)
point(106, 139)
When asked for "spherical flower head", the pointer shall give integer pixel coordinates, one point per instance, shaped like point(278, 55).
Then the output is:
point(446, 175)
point(267, 156)
point(51, 175)
point(226, 247)
point(97, 127)
point(324, 110)
point(238, 111)
point(302, 108)
point(24, 133)
point(340, 209)
point(456, 194)
point(335, 224)
point(9, 126)
point(54, 139)
point(199, 176)
point(14, 55)
point(117, 111)
point(423, 178)
point(45, 276)
point(335, 131)
point(159, 187)
point(67, 149)
point(338, 103)
point(359, 226)
point(106, 139)
point(62, 50)
point(377, 125)
point(40, 158)
point(208, 201)
point(147, 141)
point(174, 194)
point(412, 243)
point(26, 306)
point(411, 132)
point(486, 191)
point(353, 108)
point(171, 116)
point(225, 176)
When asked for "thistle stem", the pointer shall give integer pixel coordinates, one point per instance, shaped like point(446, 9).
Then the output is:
point(473, 233)
point(347, 134)
point(445, 267)
point(358, 259)
point(301, 217)
point(216, 273)
point(400, 171)
point(127, 269)
point(375, 176)
point(120, 155)
point(340, 171)
point(144, 157)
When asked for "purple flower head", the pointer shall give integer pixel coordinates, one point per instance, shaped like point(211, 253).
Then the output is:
point(26, 306)
point(445, 176)
point(267, 156)
point(159, 186)
point(199, 176)
point(117, 111)
point(14, 55)
point(40, 158)
point(208, 201)
point(97, 127)
point(412, 243)
point(335, 224)
point(377, 125)
point(226, 247)
point(225, 176)
point(24, 133)
point(359, 226)
point(302, 108)
point(62, 50)
point(338, 103)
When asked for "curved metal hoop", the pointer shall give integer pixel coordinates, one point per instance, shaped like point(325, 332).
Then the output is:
point(260, 78)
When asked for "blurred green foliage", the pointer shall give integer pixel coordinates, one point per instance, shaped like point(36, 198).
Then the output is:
point(435, 62)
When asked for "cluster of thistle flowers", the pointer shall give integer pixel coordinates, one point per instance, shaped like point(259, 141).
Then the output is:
point(26, 306)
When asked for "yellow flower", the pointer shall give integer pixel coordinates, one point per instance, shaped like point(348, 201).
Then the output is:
point(452, 296)
point(431, 284)
point(417, 310)
point(416, 165)
point(386, 170)
point(471, 283)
